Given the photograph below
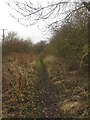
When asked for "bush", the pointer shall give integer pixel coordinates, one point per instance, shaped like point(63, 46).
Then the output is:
point(15, 44)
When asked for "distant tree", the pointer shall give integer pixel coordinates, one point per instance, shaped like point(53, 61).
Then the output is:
point(39, 47)
point(15, 44)
point(11, 36)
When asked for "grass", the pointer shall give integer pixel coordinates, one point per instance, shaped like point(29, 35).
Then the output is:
point(71, 90)
point(19, 88)
point(23, 82)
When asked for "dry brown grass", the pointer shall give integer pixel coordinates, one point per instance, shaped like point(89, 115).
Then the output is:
point(20, 94)
point(19, 79)
point(71, 89)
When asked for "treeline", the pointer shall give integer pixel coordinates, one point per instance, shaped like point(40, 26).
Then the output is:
point(14, 44)
point(70, 42)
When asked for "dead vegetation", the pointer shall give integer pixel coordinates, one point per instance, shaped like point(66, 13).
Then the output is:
point(71, 90)
point(24, 94)
point(19, 86)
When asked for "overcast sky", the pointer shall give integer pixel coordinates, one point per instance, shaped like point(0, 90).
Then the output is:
point(9, 23)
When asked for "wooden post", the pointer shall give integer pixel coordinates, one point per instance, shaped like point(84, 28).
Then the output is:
point(3, 35)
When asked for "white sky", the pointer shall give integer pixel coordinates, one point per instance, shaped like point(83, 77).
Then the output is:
point(9, 23)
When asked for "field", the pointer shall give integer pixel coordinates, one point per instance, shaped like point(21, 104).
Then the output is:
point(48, 78)
point(36, 87)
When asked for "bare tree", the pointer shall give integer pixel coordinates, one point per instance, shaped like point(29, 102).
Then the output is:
point(52, 13)
point(87, 5)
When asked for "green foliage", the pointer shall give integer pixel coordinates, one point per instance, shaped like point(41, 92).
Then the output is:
point(85, 50)
point(84, 56)
point(70, 40)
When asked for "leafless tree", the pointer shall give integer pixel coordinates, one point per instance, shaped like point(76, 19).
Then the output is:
point(52, 13)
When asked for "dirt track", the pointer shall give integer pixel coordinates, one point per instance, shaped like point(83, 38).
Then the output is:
point(47, 100)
